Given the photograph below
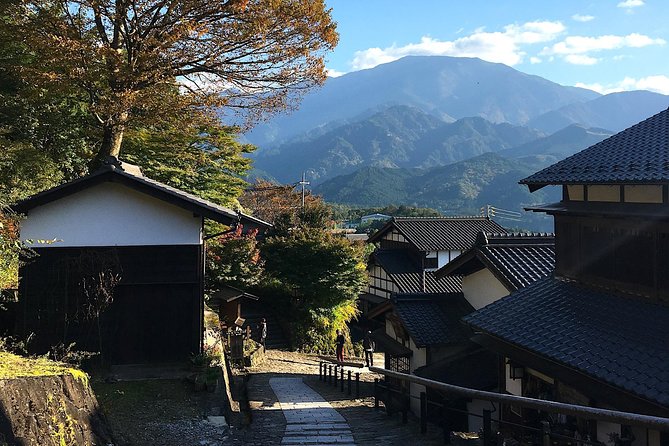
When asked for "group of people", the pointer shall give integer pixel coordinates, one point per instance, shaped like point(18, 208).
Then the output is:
point(368, 346)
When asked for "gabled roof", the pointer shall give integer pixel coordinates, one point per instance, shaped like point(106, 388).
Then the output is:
point(618, 340)
point(229, 293)
point(409, 277)
point(130, 176)
point(639, 154)
point(432, 319)
point(439, 233)
point(516, 259)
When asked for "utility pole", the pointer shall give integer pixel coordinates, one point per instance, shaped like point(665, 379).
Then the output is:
point(303, 183)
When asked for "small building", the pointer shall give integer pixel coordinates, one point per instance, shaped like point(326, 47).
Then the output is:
point(596, 331)
point(125, 273)
point(499, 264)
point(411, 249)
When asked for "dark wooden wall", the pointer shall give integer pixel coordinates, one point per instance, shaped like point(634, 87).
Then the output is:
point(156, 313)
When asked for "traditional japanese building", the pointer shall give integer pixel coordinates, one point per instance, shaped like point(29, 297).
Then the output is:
point(127, 253)
point(596, 332)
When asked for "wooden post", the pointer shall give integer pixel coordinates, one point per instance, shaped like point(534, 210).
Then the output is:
point(320, 371)
point(336, 371)
point(445, 422)
point(357, 384)
point(330, 374)
point(545, 433)
point(487, 429)
point(423, 412)
point(349, 383)
point(341, 381)
point(376, 391)
point(404, 401)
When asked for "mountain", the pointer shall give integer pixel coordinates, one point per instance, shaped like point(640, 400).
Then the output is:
point(457, 189)
point(447, 87)
point(399, 136)
point(615, 111)
point(557, 146)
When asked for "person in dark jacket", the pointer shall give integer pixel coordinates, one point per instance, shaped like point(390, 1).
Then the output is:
point(368, 345)
point(340, 340)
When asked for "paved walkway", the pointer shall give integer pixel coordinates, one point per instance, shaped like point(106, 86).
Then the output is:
point(310, 420)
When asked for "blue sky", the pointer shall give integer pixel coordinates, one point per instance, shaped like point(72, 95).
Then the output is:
point(603, 45)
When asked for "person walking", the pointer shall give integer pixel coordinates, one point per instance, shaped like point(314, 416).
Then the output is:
point(263, 333)
point(368, 345)
point(340, 340)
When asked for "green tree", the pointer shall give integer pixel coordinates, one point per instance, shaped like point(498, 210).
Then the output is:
point(233, 259)
point(323, 274)
point(142, 62)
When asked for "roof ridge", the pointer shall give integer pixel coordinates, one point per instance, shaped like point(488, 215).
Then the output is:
point(446, 217)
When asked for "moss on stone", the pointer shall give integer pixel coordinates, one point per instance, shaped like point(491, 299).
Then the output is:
point(14, 366)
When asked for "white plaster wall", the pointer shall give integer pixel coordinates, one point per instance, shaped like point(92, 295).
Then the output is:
point(418, 359)
point(444, 257)
point(513, 386)
point(111, 214)
point(482, 288)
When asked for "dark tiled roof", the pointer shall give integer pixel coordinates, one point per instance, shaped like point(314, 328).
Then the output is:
point(639, 154)
point(408, 276)
point(133, 179)
point(476, 369)
point(439, 233)
point(619, 340)
point(432, 319)
point(517, 259)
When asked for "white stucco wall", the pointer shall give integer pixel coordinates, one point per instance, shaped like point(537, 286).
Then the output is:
point(110, 214)
point(444, 257)
point(482, 288)
point(513, 386)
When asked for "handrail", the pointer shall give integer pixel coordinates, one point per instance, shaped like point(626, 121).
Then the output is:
point(648, 421)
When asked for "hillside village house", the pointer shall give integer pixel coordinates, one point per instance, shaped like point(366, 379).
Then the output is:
point(419, 315)
point(499, 264)
point(597, 331)
point(119, 231)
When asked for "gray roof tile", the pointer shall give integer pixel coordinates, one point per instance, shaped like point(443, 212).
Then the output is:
point(616, 339)
point(409, 277)
point(433, 319)
point(439, 233)
point(639, 154)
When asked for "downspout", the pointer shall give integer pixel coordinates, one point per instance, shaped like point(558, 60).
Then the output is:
point(422, 261)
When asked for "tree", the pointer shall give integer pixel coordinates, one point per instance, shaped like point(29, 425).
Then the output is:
point(233, 259)
point(141, 62)
point(281, 205)
point(324, 274)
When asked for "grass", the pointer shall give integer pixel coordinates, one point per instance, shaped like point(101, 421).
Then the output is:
point(14, 366)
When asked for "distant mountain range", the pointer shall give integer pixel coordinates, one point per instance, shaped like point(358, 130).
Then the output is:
point(441, 132)
point(400, 136)
point(461, 188)
point(449, 88)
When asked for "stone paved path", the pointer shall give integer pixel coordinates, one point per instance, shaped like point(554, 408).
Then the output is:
point(310, 420)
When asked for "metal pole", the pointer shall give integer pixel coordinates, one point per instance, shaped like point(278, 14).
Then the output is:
point(357, 384)
point(487, 428)
point(423, 413)
point(649, 421)
point(545, 433)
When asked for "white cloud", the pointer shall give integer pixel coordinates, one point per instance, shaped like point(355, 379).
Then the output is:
point(535, 60)
point(658, 84)
point(582, 18)
point(630, 4)
point(582, 45)
point(580, 59)
point(334, 73)
point(499, 46)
